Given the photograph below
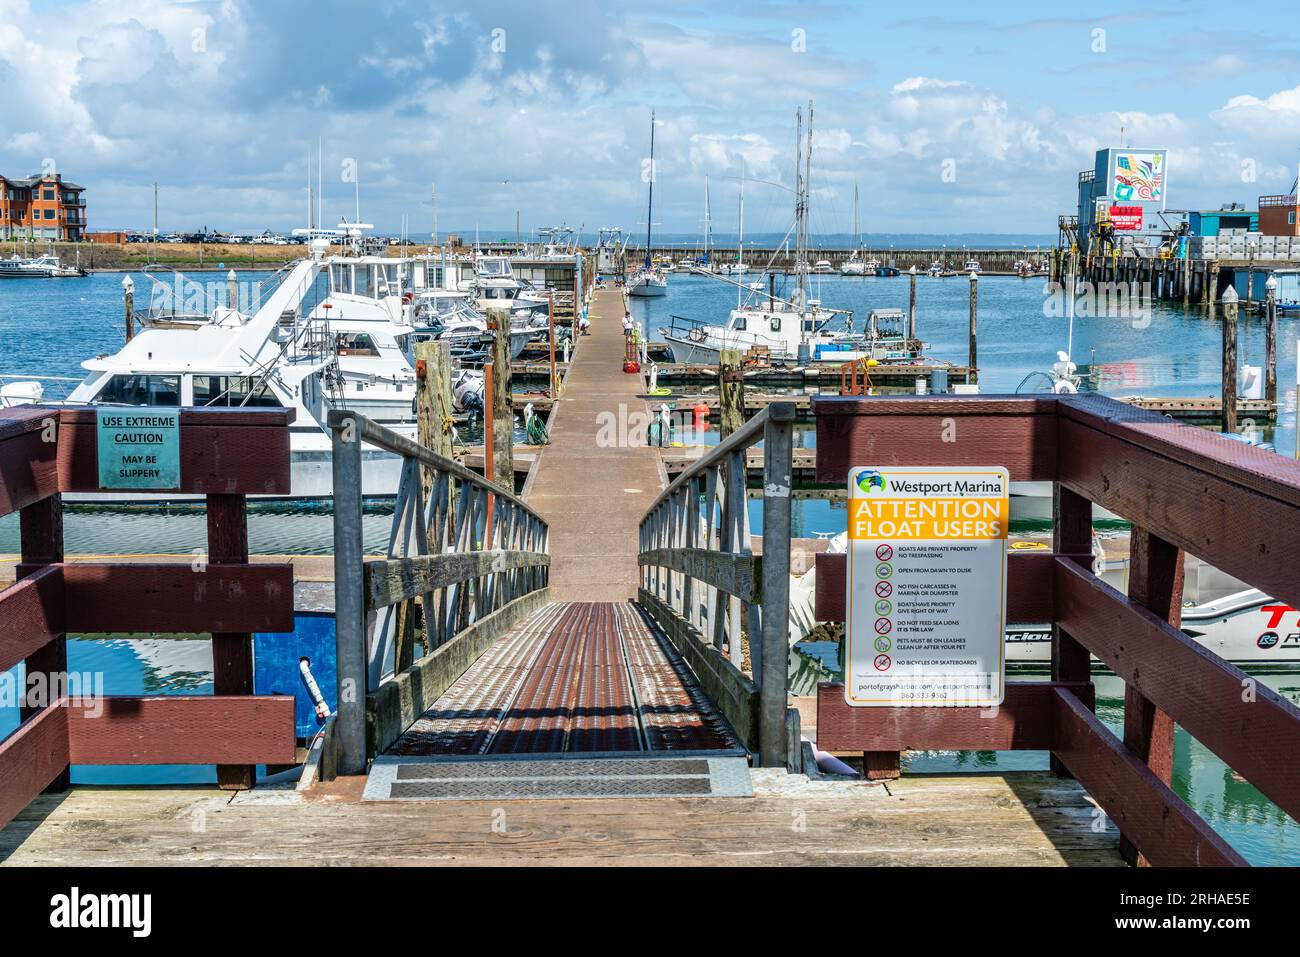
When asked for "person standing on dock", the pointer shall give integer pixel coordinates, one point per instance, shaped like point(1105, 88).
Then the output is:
point(627, 323)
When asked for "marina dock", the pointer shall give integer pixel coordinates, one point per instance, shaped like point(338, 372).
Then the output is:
point(603, 657)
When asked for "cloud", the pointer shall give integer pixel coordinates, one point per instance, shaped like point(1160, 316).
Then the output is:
point(507, 108)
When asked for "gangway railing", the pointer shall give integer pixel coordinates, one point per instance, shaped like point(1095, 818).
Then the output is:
point(723, 607)
point(473, 556)
point(1185, 491)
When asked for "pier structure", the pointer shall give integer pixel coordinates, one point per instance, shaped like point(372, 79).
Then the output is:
point(604, 658)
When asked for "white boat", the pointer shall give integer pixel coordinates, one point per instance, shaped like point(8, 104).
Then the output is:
point(823, 267)
point(646, 283)
point(783, 327)
point(854, 266)
point(649, 282)
point(739, 267)
point(348, 352)
point(42, 267)
point(495, 287)
point(936, 268)
point(972, 265)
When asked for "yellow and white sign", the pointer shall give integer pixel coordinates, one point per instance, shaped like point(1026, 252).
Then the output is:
point(926, 603)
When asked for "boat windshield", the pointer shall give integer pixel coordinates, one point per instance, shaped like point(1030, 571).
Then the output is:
point(160, 390)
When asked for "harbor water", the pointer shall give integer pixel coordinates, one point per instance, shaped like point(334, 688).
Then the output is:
point(49, 327)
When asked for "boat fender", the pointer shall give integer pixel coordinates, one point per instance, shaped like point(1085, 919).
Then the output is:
point(313, 689)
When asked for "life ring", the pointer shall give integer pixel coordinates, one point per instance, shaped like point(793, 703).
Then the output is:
point(697, 334)
point(1064, 387)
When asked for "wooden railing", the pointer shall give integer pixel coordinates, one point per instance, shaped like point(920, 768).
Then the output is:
point(224, 456)
point(714, 598)
point(1184, 490)
point(473, 554)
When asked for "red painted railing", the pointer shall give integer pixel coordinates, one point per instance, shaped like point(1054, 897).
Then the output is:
point(225, 455)
point(1184, 490)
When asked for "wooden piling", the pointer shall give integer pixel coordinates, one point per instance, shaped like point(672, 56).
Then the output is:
point(503, 416)
point(1270, 344)
point(1229, 422)
point(731, 391)
point(128, 304)
point(911, 304)
point(974, 310)
point(433, 405)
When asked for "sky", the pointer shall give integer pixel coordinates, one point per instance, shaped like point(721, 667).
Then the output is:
point(968, 118)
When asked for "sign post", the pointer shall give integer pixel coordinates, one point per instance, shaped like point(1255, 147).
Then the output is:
point(139, 448)
point(927, 564)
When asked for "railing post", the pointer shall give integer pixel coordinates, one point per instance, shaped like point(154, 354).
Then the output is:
point(41, 535)
point(774, 680)
point(232, 653)
point(349, 603)
point(1071, 535)
point(1155, 581)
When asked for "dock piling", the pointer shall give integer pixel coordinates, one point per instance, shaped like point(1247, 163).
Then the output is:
point(503, 418)
point(911, 304)
point(973, 374)
point(1270, 343)
point(731, 392)
point(1230, 307)
point(128, 305)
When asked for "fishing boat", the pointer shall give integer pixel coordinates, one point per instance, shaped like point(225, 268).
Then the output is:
point(785, 328)
point(823, 267)
point(935, 269)
point(42, 267)
point(649, 282)
point(972, 265)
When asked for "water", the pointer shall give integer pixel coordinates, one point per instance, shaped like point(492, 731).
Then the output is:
point(49, 327)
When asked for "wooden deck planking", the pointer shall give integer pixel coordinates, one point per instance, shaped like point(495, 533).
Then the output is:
point(1021, 818)
point(593, 496)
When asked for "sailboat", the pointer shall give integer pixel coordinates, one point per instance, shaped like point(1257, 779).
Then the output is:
point(787, 329)
point(649, 281)
point(739, 267)
point(854, 266)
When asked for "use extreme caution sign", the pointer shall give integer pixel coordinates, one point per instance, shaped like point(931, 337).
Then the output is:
point(139, 448)
point(927, 571)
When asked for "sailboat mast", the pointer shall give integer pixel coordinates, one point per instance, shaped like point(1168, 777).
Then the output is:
point(740, 245)
point(708, 226)
point(650, 207)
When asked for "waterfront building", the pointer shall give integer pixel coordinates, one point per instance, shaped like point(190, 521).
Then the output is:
point(42, 206)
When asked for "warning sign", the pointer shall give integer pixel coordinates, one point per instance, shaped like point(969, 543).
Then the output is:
point(139, 448)
point(926, 586)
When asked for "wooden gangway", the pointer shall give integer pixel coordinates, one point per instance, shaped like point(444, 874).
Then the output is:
point(469, 679)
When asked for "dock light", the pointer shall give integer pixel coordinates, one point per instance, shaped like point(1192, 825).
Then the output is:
point(128, 284)
point(1271, 284)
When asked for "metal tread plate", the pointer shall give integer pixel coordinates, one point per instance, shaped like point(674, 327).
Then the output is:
point(555, 778)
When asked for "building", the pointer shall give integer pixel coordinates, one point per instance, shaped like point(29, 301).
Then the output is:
point(1277, 215)
point(42, 206)
point(1231, 219)
point(1124, 193)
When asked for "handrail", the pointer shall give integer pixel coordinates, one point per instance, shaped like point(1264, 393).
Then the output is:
point(391, 441)
point(697, 530)
point(1159, 475)
point(473, 554)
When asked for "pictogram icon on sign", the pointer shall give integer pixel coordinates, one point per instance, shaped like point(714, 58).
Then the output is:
point(884, 626)
point(883, 662)
point(884, 589)
point(884, 552)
